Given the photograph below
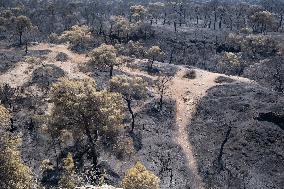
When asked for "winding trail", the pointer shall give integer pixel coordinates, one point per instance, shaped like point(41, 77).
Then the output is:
point(187, 93)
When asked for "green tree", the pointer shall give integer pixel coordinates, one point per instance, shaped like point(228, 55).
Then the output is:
point(68, 179)
point(231, 64)
point(136, 48)
point(22, 24)
point(138, 177)
point(130, 89)
point(77, 36)
point(132, 49)
point(121, 26)
point(154, 53)
point(262, 20)
point(4, 118)
point(13, 173)
point(105, 57)
point(259, 45)
point(138, 12)
point(84, 111)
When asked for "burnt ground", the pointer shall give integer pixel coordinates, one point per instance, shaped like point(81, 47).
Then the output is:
point(234, 147)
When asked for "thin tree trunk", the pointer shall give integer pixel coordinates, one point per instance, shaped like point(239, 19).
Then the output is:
point(161, 100)
point(132, 114)
point(26, 50)
point(20, 35)
point(280, 22)
point(171, 56)
point(111, 72)
point(93, 145)
point(165, 18)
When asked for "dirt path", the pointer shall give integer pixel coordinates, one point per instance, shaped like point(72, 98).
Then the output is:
point(187, 93)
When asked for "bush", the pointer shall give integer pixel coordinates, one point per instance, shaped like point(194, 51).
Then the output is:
point(190, 74)
point(54, 38)
point(230, 64)
point(139, 177)
point(77, 36)
point(14, 174)
point(246, 30)
point(259, 45)
point(68, 179)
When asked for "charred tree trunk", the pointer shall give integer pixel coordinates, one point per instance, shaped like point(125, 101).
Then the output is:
point(20, 38)
point(111, 71)
point(161, 100)
point(132, 114)
point(171, 56)
point(197, 20)
point(92, 142)
point(280, 22)
point(165, 18)
point(26, 50)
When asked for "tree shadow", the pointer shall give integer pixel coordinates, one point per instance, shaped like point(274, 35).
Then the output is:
point(8, 60)
point(38, 53)
point(46, 75)
point(157, 69)
point(233, 149)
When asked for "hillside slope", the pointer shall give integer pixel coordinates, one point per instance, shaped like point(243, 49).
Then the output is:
point(207, 136)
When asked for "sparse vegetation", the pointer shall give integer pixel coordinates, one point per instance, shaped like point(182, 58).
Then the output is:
point(193, 89)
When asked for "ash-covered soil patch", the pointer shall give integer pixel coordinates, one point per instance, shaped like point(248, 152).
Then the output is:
point(8, 60)
point(233, 148)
